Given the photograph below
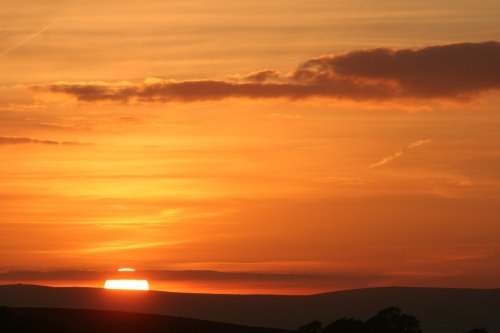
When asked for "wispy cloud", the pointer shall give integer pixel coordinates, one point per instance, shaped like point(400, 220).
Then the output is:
point(112, 247)
point(399, 153)
point(456, 71)
point(9, 140)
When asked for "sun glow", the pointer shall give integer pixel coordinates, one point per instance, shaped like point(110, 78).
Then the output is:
point(127, 284)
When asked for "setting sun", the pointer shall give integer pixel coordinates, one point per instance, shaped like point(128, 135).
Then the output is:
point(127, 284)
point(126, 280)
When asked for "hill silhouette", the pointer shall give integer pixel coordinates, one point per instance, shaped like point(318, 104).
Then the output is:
point(39, 320)
point(439, 310)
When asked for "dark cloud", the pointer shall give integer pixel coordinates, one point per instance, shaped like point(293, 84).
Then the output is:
point(437, 71)
point(211, 90)
point(9, 140)
point(457, 71)
point(170, 275)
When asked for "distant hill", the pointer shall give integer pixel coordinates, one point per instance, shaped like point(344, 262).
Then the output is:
point(439, 310)
point(38, 320)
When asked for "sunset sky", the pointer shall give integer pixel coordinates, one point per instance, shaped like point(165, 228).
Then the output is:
point(278, 146)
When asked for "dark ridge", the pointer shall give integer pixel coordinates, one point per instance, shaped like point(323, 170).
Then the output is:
point(92, 321)
point(440, 310)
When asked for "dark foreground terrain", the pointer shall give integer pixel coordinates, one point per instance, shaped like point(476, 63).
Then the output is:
point(439, 310)
point(38, 320)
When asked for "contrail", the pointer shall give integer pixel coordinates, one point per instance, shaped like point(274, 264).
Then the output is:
point(399, 153)
point(27, 39)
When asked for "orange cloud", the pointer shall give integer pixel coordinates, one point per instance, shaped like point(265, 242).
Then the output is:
point(265, 75)
point(456, 71)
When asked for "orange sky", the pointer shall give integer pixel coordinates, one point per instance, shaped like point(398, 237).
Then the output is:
point(308, 145)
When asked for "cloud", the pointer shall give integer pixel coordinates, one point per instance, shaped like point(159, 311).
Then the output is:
point(112, 247)
point(265, 75)
point(185, 275)
point(9, 140)
point(399, 153)
point(456, 71)
point(203, 281)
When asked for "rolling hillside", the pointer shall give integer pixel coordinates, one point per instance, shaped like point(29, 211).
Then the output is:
point(439, 310)
point(38, 320)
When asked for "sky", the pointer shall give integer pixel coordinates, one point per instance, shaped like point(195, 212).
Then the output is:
point(278, 146)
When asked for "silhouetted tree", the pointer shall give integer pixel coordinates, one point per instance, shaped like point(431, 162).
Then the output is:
point(393, 320)
point(346, 325)
point(314, 326)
